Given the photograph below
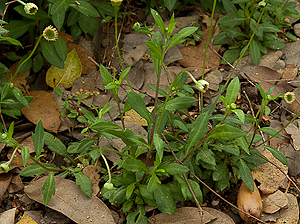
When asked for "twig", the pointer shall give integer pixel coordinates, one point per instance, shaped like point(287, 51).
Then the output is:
point(187, 182)
point(212, 189)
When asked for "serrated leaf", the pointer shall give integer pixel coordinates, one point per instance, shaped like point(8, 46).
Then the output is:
point(85, 183)
point(72, 70)
point(48, 188)
point(38, 138)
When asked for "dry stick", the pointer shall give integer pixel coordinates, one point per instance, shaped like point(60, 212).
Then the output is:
point(253, 114)
point(177, 160)
point(186, 180)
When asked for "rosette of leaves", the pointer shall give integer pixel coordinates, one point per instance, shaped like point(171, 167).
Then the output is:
point(241, 20)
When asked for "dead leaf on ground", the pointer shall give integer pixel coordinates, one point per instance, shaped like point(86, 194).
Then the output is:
point(26, 220)
point(15, 185)
point(65, 77)
point(290, 72)
point(16, 162)
point(5, 179)
point(83, 55)
point(28, 142)
point(276, 142)
point(84, 85)
point(269, 177)
point(133, 116)
point(8, 217)
point(274, 202)
point(294, 131)
point(293, 158)
point(183, 215)
point(66, 37)
point(249, 202)
point(20, 79)
point(194, 55)
point(43, 107)
point(92, 172)
point(221, 216)
point(72, 202)
point(266, 78)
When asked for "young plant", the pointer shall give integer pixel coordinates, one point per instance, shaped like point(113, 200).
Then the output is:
point(240, 23)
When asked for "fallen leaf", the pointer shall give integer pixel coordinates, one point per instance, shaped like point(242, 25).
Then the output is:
point(294, 131)
point(269, 177)
point(221, 216)
point(84, 85)
point(133, 116)
point(5, 179)
point(184, 215)
point(291, 214)
point(16, 162)
point(65, 77)
point(43, 107)
point(92, 172)
point(26, 220)
point(249, 202)
point(72, 202)
point(293, 158)
point(83, 55)
point(290, 72)
point(20, 79)
point(66, 37)
point(132, 56)
point(8, 217)
point(28, 142)
point(15, 185)
point(274, 202)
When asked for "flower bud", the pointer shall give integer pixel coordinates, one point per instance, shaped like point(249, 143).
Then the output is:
point(30, 8)
point(289, 97)
point(50, 33)
point(233, 106)
point(4, 167)
point(136, 25)
point(202, 85)
point(116, 3)
point(4, 136)
point(108, 186)
point(11, 85)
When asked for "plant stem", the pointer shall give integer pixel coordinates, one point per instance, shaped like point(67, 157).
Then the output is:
point(107, 167)
point(32, 52)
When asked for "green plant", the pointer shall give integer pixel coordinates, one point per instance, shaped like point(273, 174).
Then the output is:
point(240, 23)
point(218, 153)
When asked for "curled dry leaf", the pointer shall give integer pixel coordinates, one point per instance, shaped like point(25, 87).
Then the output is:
point(43, 107)
point(249, 202)
point(273, 202)
point(269, 176)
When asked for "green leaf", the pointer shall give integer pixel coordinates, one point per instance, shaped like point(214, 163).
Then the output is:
point(25, 155)
point(254, 52)
point(38, 138)
point(123, 75)
point(153, 183)
point(180, 103)
point(104, 8)
point(207, 156)
point(135, 165)
point(221, 39)
point(50, 54)
point(246, 174)
point(227, 132)
point(128, 137)
point(277, 154)
point(240, 114)
point(88, 24)
point(55, 145)
point(58, 18)
point(38, 62)
point(242, 142)
point(12, 41)
point(231, 55)
point(271, 131)
point(158, 20)
point(35, 169)
point(103, 125)
point(230, 8)
point(170, 4)
point(197, 191)
point(154, 49)
point(233, 90)
point(60, 5)
point(61, 48)
point(85, 8)
point(164, 201)
point(48, 188)
point(200, 128)
point(85, 183)
point(18, 27)
point(221, 171)
point(138, 104)
point(20, 97)
point(129, 190)
point(178, 38)
point(84, 145)
point(267, 27)
point(105, 75)
point(230, 21)
point(174, 169)
point(291, 36)
point(159, 146)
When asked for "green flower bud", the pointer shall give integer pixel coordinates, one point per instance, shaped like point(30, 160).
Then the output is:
point(4, 167)
point(136, 25)
point(262, 3)
point(108, 186)
point(269, 97)
point(202, 85)
point(30, 8)
point(116, 3)
point(11, 85)
point(233, 106)
point(289, 97)
point(4, 136)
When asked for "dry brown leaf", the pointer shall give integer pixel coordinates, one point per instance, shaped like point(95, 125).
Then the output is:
point(26, 220)
point(8, 217)
point(274, 202)
point(72, 202)
point(20, 79)
point(83, 55)
point(266, 78)
point(293, 158)
point(221, 216)
point(5, 179)
point(269, 177)
point(290, 72)
point(291, 214)
point(28, 142)
point(43, 107)
point(16, 184)
point(184, 215)
point(92, 172)
point(133, 116)
point(294, 131)
point(249, 202)
point(66, 37)
point(16, 162)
